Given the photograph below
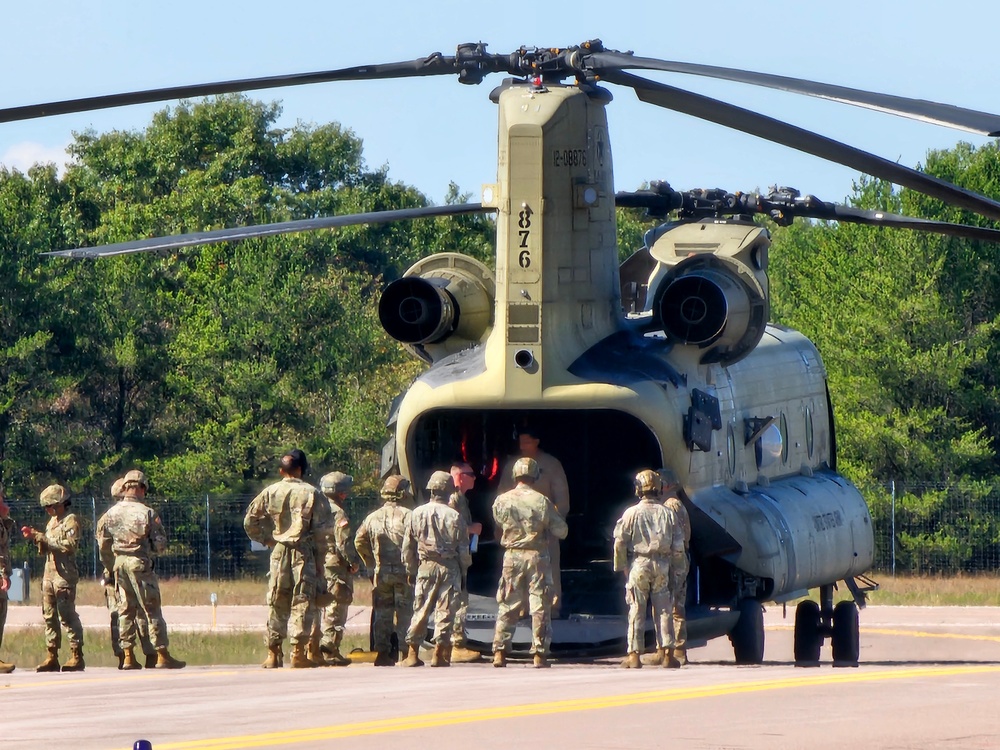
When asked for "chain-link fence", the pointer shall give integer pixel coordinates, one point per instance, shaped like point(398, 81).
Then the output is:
point(919, 529)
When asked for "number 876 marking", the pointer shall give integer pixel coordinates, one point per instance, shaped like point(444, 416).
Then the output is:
point(524, 231)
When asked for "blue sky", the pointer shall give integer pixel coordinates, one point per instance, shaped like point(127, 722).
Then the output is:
point(432, 131)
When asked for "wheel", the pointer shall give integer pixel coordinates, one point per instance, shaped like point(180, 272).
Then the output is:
point(808, 639)
point(846, 637)
point(747, 635)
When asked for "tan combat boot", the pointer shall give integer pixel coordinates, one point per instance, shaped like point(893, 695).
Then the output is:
point(315, 656)
point(631, 661)
point(384, 659)
point(299, 658)
point(541, 662)
point(150, 662)
point(462, 655)
point(165, 661)
point(51, 664)
point(499, 658)
point(658, 657)
point(128, 660)
point(75, 663)
point(412, 657)
point(440, 658)
point(6, 667)
point(273, 660)
point(671, 661)
point(681, 656)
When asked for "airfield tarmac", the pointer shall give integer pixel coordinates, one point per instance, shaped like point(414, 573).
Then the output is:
point(929, 678)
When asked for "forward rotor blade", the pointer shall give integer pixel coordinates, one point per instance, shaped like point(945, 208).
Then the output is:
point(782, 133)
point(427, 66)
point(267, 230)
point(970, 120)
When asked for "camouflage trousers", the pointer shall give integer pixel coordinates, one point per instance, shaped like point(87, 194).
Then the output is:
point(392, 608)
point(59, 606)
point(330, 621)
point(138, 591)
point(437, 589)
point(3, 614)
point(141, 624)
point(291, 592)
point(525, 583)
point(649, 581)
point(458, 629)
point(678, 591)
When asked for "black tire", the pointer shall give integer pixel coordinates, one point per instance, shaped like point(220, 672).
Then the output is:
point(747, 635)
point(808, 640)
point(846, 635)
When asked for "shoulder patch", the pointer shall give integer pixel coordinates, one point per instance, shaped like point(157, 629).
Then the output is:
point(343, 522)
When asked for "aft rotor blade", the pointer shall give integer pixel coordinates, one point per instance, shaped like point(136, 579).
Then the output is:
point(194, 239)
point(970, 120)
point(785, 134)
point(837, 212)
point(427, 66)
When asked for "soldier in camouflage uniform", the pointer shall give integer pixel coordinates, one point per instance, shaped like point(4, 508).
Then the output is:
point(290, 517)
point(647, 537)
point(340, 565)
point(679, 568)
point(528, 522)
point(128, 535)
point(438, 537)
point(552, 483)
point(464, 479)
point(6, 529)
point(111, 599)
point(58, 543)
point(379, 543)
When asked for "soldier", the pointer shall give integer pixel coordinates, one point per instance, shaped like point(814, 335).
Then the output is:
point(679, 568)
point(290, 518)
point(464, 479)
point(552, 484)
point(438, 536)
point(128, 535)
point(111, 599)
point(6, 529)
point(58, 543)
point(379, 542)
point(341, 564)
point(647, 537)
point(528, 522)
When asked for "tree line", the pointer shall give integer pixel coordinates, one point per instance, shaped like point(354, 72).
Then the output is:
point(200, 366)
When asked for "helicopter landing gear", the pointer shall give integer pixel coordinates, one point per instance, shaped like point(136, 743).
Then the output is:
point(814, 622)
point(846, 636)
point(747, 636)
point(808, 636)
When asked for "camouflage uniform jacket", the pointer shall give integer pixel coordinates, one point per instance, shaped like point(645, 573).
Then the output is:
point(460, 502)
point(680, 512)
point(527, 519)
point(290, 512)
point(436, 532)
point(59, 543)
point(130, 529)
point(379, 540)
point(340, 552)
point(6, 529)
point(551, 480)
point(647, 529)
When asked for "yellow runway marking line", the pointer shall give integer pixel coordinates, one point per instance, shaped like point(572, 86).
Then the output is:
point(425, 721)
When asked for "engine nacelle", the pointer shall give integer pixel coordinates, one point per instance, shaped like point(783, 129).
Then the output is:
point(442, 304)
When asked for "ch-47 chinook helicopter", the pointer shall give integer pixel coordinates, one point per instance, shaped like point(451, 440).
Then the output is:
point(686, 373)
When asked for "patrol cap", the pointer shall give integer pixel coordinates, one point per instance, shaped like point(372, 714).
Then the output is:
point(441, 481)
point(336, 481)
point(117, 488)
point(395, 486)
point(54, 494)
point(525, 467)
point(648, 482)
point(134, 477)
